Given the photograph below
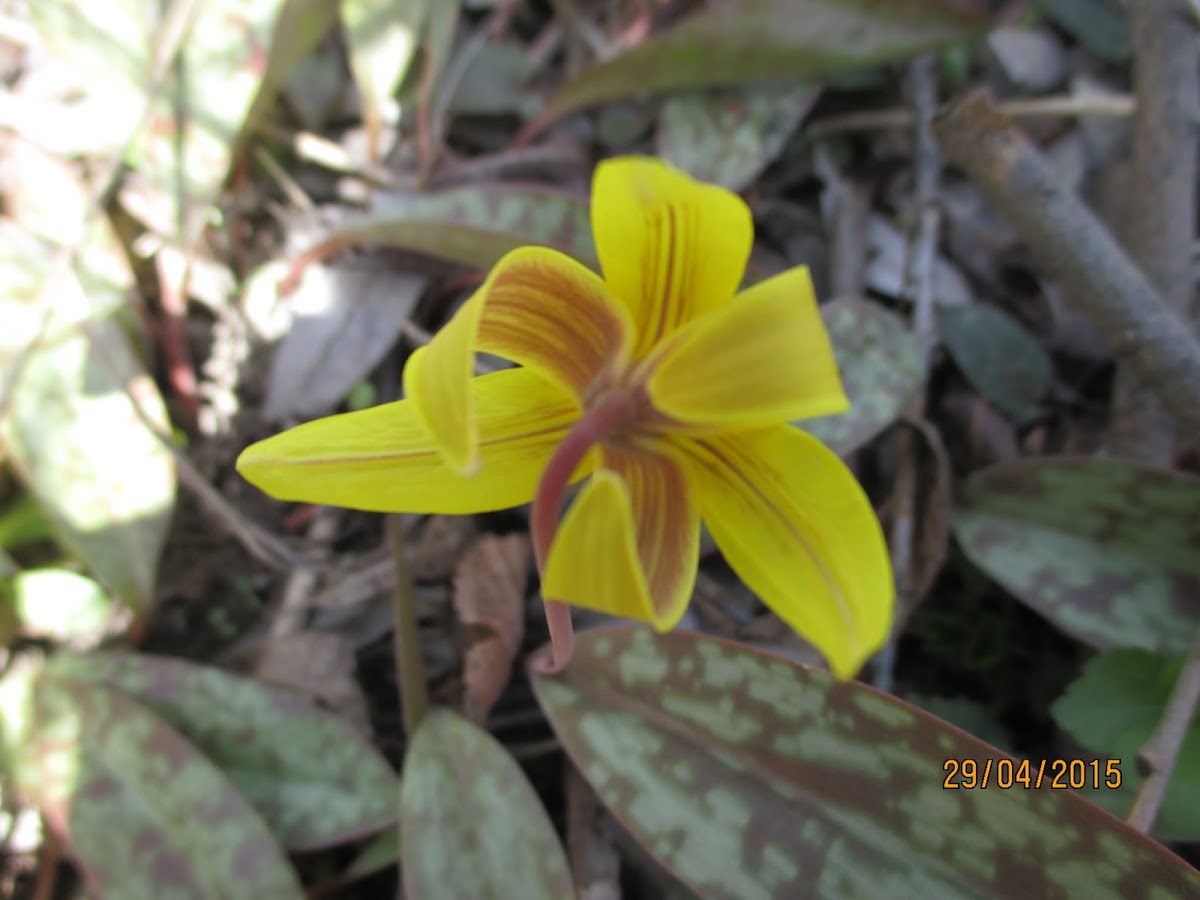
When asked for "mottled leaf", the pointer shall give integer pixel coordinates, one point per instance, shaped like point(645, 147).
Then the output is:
point(493, 83)
point(882, 368)
point(727, 136)
point(1002, 360)
point(313, 779)
point(344, 320)
point(474, 226)
point(472, 824)
point(1108, 551)
point(752, 40)
point(751, 776)
point(1112, 709)
point(145, 813)
point(60, 604)
point(381, 40)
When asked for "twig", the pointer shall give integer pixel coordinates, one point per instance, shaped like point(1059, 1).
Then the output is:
point(1161, 215)
point(1160, 753)
point(918, 275)
point(1107, 105)
point(410, 669)
point(1078, 251)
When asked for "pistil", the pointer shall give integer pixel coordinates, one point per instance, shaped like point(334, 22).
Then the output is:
point(610, 412)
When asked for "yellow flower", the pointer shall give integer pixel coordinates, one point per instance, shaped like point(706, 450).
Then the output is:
point(672, 393)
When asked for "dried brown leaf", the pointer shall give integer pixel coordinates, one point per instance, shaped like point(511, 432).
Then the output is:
point(489, 597)
point(439, 545)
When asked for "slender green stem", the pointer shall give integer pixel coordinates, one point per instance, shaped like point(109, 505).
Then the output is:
point(609, 412)
point(410, 671)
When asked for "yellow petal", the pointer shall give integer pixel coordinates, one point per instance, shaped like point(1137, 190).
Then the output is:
point(381, 459)
point(599, 557)
point(538, 308)
point(795, 525)
point(666, 527)
point(761, 359)
point(671, 247)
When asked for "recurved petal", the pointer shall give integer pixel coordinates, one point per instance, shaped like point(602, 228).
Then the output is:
point(761, 359)
point(382, 459)
point(795, 525)
point(671, 248)
point(629, 544)
point(538, 308)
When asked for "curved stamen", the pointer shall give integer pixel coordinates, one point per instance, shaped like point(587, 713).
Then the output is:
point(611, 411)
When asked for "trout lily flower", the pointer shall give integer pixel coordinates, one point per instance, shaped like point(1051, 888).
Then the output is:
point(669, 391)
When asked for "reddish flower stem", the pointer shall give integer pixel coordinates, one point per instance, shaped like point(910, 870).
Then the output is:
point(609, 412)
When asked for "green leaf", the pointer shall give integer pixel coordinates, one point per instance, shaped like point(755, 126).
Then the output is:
point(751, 776)
point(313, 778)
point(999, 357)
point(62, 605)
point(727, 136)
point(1100, 25)
point(146, 815)
point(472, 824)
point(1106, 550)
point(1112, 709)
point(474, 226)
point(755, 40)
point(881, 366)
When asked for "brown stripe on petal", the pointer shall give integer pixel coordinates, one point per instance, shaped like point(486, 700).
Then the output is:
point(545, 311)
point(666, 523)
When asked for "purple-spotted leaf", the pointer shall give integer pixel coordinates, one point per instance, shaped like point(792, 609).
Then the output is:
point(881, 364)
point(472, 824)
point(727, 136)
point(1106, 550)
point(751, 776)
point(1002, 360)
point(731, 42)
point(313, 778)
point(1112, 709)
point(142, 810)
point(474, 226)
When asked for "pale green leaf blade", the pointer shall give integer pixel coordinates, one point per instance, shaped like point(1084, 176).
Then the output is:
point(62, 605)
point(104, 480)
point(312, 777)
point(750, 776)
point(472, 824)
point(382, 37)
point(1108, 551)
point(146, 814)
point(754, 40)
point(882, 368)
point(1112, 709)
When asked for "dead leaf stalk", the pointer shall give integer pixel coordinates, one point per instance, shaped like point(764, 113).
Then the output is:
point(919, 278)
point(410, 668)
point(1078, 251)
point(1161, 222)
